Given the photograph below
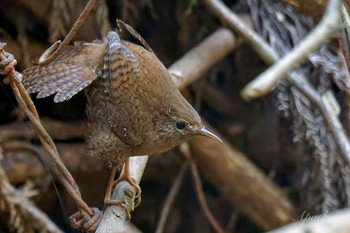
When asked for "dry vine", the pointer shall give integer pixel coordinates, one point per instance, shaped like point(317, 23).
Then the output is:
point(198, 187)
point(24, 216)
point(13, 78)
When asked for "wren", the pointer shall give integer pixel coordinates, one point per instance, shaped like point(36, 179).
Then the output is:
point(134, 107)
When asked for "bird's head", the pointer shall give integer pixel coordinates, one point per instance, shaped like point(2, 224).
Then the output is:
point(180, 123)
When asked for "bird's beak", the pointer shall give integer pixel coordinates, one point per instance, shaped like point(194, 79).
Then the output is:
point(209, 134)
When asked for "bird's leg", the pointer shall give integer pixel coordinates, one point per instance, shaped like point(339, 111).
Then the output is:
point(125, 176)
point(110, 184)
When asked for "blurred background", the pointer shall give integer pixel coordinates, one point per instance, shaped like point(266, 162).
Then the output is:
point(281, 135)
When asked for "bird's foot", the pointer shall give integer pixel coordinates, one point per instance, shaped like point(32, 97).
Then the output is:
point(131, 181)
point(81, 220)
point(125, 176)
point(125, 203)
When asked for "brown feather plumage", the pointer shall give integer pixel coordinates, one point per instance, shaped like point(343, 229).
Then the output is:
point(133, 105)
point(69, 74)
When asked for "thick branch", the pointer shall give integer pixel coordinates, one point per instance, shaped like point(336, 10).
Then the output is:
point(115, 217)
point(204, 56)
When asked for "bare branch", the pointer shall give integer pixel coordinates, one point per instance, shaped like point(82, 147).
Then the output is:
point(170, 198)
point(202, 200)
point(115, 217)
point(270, 56)
point(329, 24)
point(321, 34)
point(203, 57)
point(199, 191)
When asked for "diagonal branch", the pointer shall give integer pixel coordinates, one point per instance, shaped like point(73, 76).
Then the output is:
point(170, 198)
point(7, 64)
point(321, 34)
point(185, 149)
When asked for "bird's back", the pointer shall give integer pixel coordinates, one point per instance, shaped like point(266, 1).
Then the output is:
point(127, 104)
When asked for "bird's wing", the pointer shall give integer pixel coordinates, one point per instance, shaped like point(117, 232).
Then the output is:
point(119, 76)
point(71, 72)
point(119, 66)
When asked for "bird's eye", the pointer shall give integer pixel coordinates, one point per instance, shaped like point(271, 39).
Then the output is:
point(180, 125)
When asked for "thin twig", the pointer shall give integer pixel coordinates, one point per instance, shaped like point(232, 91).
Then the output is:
point(232, 221)
point(87, 215)
point(269, 55)
point(170, 198)
point(229, 170)
point(202, 200)
point(185, 150)
point(49, 145)
point(70, 35)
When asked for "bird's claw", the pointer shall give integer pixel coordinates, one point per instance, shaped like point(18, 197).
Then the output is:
point(136, 187)
point(80, 219)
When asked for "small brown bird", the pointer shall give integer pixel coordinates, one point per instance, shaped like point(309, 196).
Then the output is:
point(134, 108)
